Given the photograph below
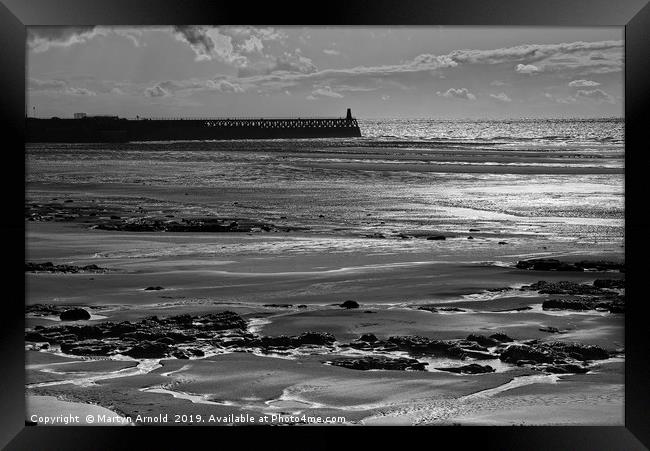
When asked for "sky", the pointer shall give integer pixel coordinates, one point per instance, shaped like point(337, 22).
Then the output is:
point(378, 72)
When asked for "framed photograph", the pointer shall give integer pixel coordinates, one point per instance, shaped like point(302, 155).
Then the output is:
point(386, 216)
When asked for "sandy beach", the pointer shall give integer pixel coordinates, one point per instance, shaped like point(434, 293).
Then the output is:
point(221, 300)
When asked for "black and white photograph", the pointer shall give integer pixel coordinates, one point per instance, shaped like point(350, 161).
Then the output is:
point(325, 225)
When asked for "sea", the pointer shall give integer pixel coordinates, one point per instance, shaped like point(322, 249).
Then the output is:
point(560, 180)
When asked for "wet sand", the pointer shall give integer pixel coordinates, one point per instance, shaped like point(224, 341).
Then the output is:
point(389, 289)
point(347, 224)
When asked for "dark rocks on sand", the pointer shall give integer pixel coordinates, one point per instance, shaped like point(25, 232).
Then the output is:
point(278, 305)
point(50, 267)
point(482, 340)
point(349, 304)
point(563, 287)
point(553, 352)
point(417, 345)
point(436, 238)
point(474, 230)
point(501, 337)
point(156, 288)
point(577, 351)
point(517, 353)
point(179, 354)
point(148, 350)
point(552, 264)
point(74, 314)
point(472, 368)
point(551, 330)
point(567, 304)
point(609, 283)
point(88, 347)
point(380, 363)
point(284, 341)
point(368, 338)
point(566, 368)
point(470, 237)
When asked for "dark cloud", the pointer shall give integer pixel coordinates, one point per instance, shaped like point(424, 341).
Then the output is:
point(197, 38)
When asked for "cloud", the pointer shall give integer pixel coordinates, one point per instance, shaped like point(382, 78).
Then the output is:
point(498, 83)
point(36, 84)
point(79, 91)
point(156, 91)
point(57, 87)
point(461, 93)
point(224, 86)
point(596, 95)
point(252, 44)
point(583, 83)
point(41, 39)
point(501, 97)
point(526, 69)
point(331, 52)
point(385, 97)
point(208, 43)
point(530, 52)
point(326, 91)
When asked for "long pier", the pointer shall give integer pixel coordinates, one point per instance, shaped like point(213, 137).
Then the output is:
point(114, 129)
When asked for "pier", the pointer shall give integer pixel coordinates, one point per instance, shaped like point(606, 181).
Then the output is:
point(115, 129)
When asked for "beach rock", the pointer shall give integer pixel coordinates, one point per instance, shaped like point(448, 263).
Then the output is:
point(148, 350)
point(314, 338)
point(349, 304)
point(563, 287)
point(472, 368)
point(88, 347)
point(75, 314)
point(279, 305)
point(179, 354)
point(380, 363)
point(551, 330)
point(368, 338)
point(474, 230)
point(609, 283)
point(156, 288)
point(50, 267)
point(436, 238)
point(577, 351)
point(502, 242)
point(470, 237)
point(482, 340)
point(501, 337)
point(428, 308)
point(567, 304)
point(566, 368)
point(450, 309)
point(417, 345)
point(516, 309)
point(517, 353)
point(221, 321)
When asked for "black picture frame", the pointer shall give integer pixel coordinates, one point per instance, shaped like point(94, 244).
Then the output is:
point(634, 15)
